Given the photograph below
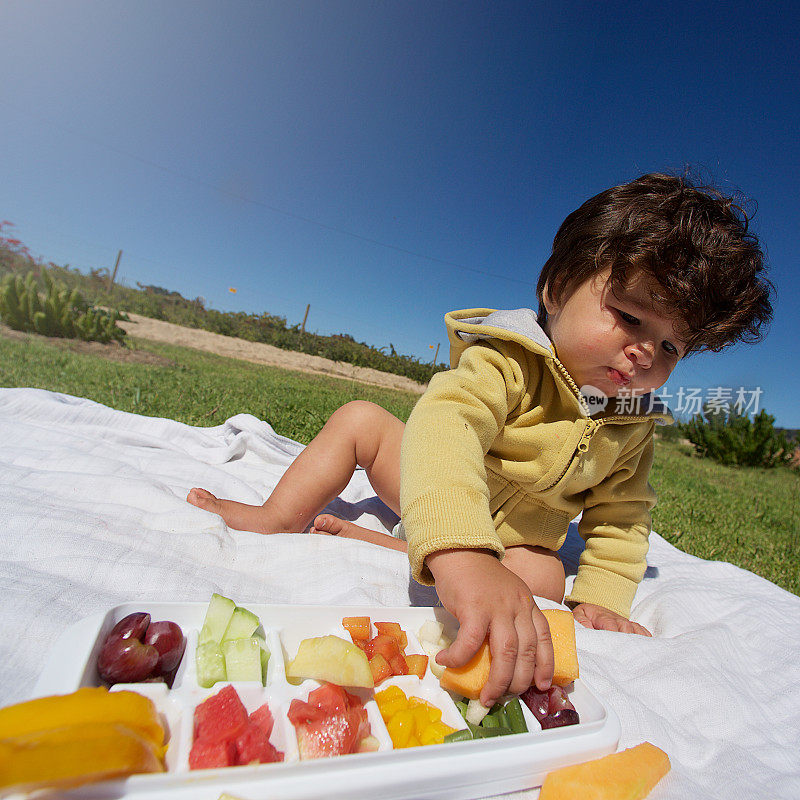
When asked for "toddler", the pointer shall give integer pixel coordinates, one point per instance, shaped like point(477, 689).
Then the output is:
point(542, 417)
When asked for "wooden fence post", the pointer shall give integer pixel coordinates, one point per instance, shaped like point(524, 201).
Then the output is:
point(303, 326)
point(114, 275)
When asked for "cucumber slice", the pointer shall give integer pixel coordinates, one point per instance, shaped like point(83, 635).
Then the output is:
point(262, 643)
point(476, 712)
point(242, 659)
point(242, 625)
point(218, 615)
point(210, 664)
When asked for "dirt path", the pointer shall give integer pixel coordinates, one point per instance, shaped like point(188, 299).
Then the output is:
point(259, 353)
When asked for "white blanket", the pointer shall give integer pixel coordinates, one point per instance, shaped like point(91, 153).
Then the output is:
point(93, 514)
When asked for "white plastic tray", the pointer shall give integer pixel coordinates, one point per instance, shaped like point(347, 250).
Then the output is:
point(472, 769)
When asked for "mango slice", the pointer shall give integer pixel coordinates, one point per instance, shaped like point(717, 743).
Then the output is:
point(75, 754)
point(627, 775)
point(87, 705)
point(562, 633)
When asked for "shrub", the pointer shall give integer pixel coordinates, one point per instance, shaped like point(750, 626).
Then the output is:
point(738, 440)
point(60, 312)
point(159, 303)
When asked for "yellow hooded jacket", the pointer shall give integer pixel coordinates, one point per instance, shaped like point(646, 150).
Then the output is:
point(501, 450)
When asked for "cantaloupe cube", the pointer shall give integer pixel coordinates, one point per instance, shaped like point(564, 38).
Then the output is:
point(468, 680)
point(562, 632)
point(628, 775)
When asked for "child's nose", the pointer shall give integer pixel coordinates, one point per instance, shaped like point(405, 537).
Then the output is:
point(641, 353)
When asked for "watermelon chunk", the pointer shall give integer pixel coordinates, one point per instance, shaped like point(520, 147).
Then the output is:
point(222, 716)
point(225, 736)
point(332, 723)
point(262, 717)
point(207, 754)
point(253, 747)
point(331, 736)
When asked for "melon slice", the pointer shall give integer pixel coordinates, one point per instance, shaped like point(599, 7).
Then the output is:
point(468, 680)
point(331, 659)
point(628, 775)
point(562, 632)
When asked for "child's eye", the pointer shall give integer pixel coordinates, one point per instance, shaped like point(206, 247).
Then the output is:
point(630, 320)
point(670, 348)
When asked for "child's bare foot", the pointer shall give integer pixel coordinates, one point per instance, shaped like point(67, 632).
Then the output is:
point(333, 526)
point(239, 516)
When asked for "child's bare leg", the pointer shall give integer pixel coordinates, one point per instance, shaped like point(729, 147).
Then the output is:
point(357, 434)
point(540, 568)
point(333, 526)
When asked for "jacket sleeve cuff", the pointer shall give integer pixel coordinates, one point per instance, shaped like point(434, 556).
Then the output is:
point(446, 519)
point(603, 588)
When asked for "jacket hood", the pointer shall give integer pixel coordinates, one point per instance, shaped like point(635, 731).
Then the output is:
point(521, 325)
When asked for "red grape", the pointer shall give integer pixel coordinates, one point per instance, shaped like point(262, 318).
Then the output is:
point(126, 660)
point(133, 626)
point(168, 639)
point(551, 708)
point(137, 650)
point(567, 716)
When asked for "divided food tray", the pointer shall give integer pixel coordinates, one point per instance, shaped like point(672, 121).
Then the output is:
point(471, 769)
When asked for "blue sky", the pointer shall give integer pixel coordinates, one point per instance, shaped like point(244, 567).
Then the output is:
point(388, 162)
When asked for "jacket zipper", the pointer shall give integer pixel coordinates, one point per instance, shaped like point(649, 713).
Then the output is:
point(592, 426)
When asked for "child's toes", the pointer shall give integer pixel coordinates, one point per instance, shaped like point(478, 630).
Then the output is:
point(327, 524)
point(202, 499)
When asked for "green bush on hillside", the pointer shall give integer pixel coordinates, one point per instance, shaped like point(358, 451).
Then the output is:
point(158, 303)
point(59, 312)
point(737, 440)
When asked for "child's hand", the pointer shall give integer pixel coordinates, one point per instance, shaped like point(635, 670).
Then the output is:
point(486, 597)
point(599, 618)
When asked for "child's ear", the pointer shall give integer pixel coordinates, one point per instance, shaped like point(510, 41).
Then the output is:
point(547, 301)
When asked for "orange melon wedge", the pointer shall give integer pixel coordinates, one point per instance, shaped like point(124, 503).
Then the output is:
point(628, 775)
point(468, 680)
point(562, 632)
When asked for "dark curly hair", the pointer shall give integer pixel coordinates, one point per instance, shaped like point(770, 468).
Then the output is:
point(692, 239)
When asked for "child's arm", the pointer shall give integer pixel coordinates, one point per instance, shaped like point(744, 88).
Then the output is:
point(490, 600)
point(615, 525)
point(452, 541)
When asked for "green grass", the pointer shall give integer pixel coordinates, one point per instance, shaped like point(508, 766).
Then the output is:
point(745, 515)
point(749, 517)
point(192, 387)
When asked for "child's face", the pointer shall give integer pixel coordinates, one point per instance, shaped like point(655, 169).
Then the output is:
point(619, 344)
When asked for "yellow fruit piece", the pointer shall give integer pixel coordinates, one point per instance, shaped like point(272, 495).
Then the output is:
point(435, 733)
point(420, 716)
point(413, 742)
point(75, 754)
point(390, 701)
point(400, 728)
point(628, 775)
point(87, 705)
point(562, 632)
point(331, 659)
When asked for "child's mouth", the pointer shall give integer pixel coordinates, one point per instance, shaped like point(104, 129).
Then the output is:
point(617, 377)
